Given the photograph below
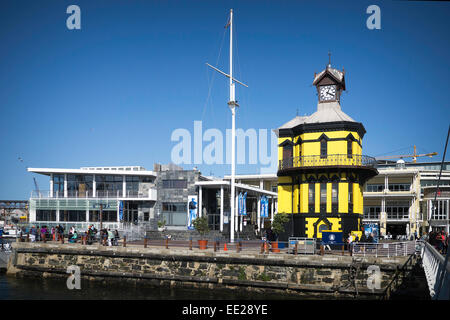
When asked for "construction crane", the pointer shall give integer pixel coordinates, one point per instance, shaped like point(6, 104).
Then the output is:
point(414, 156)
point(36, 187)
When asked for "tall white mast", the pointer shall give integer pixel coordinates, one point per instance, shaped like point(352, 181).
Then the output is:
point(232, 104)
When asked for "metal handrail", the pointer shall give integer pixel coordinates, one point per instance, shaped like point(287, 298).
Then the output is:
point(330, 160)
point(433, 265)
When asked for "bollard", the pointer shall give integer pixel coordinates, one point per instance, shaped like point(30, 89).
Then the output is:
point(44, 238)
point(215, 246)
point(296, 248)
point(266, 245)
point(167, 243)
point(28, 236)
point(124, 241)
point(343, 251)
point(62, 239)
point(322, 252)
point(190, 244)
point(262, 248)
point(145, 242)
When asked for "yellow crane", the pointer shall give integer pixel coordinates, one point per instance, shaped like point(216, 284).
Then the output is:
point(414, 156)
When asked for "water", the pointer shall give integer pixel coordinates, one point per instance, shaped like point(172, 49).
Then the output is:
point(12, 288)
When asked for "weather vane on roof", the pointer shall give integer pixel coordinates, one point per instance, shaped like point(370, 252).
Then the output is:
point(329, 58)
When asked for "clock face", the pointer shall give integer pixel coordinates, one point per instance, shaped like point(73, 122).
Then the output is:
point(327, 93)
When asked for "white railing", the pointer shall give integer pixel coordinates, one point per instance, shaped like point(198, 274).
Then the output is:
point(437, 272)
point(150, 194)
point(388, 249)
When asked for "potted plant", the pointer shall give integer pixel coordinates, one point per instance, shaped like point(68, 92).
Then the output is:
point(278, 227)
point(201, 225)
point(161, 225)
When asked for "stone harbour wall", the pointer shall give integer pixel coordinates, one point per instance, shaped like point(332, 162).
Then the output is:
point(276, 273)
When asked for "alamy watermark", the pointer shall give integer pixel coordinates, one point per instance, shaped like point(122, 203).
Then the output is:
point(212, 146)
point(74, 280)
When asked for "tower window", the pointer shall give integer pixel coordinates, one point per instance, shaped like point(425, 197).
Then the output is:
point(311, 196)
point(349, 148)
point(323, 193)
point(323, 148)
point(334, 193)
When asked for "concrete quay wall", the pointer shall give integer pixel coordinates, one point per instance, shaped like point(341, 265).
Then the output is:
point(334, 276)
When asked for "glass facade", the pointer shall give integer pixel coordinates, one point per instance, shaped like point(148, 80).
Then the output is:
point(58, 185)
point(79, 185)
point(45, 215)
point(175, 213)
point(109, 185)
point(72, 215)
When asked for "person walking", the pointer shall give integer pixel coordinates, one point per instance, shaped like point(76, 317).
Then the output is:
point(350, 241)
point(110, 237)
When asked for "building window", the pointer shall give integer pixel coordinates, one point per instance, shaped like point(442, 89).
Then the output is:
point(323, 148)
point(58, 185)
point(311, 196)
point(349, 148)
point(107, 216)
point(45, 215)
point(441, 210)
point(72, 215)
point(397, 210)
point(334, 193)
point(372, 212)
point(175, 213)
point(174, 184)
point(399, 186)
point(350, 197)
point(287, 156)
point(374, 187)
point(323, 193)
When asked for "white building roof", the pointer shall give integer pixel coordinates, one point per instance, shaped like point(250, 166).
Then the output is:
point(134, 171)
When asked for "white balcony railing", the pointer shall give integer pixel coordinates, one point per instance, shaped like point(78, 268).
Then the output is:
point(150, 194)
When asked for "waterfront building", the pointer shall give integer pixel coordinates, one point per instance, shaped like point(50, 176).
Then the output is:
point(400, 198)
point(127, 195)
point(134, 196)
point(322, 170)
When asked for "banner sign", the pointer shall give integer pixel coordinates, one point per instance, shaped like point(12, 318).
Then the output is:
point(264, 212)
point(331, 237)
point(372, 228)
point(121, 210)
point(242, 202)
point(192, 211)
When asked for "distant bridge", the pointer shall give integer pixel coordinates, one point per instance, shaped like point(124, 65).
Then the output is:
point(13, 204)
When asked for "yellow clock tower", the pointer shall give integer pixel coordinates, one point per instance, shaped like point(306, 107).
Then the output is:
point(321, 170)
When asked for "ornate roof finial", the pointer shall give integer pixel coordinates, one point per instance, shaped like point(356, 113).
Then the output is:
point(329, 58)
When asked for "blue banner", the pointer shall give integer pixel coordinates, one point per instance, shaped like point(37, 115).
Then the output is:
point(120, 210)
point(242, 198)
point(264, 207)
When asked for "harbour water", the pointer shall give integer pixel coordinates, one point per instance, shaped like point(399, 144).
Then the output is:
point(12, 288)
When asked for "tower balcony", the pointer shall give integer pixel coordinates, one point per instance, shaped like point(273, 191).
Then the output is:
point(331, 161)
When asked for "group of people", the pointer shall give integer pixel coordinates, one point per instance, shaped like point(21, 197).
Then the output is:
point(438, 239)
point(106, 236)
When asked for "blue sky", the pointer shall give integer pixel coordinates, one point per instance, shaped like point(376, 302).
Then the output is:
point(113, 92)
